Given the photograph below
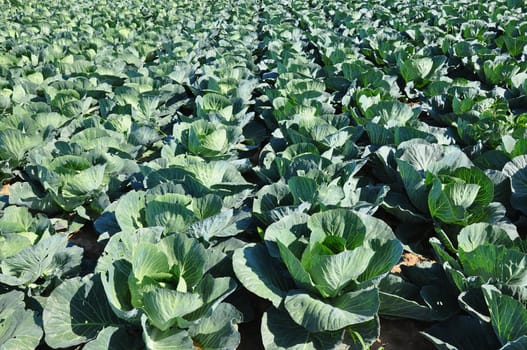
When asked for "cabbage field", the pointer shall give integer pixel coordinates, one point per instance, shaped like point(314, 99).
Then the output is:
point(256, 174)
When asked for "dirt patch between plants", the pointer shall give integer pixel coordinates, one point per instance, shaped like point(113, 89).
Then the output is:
point(409, 259)
point(86, 238)
point(5, 190)
point(402, 335)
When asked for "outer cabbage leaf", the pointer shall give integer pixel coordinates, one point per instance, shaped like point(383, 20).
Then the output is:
point(391, 113)
point(47, 259)
point(415, 299)
point(516, 169)
point(462, 332)
point(14, 144)
point(171, 339)
point(290, 231)
point(472, 236)
point(129, 211)
point(347, 309)
point(256, 270)
point(19, 328)
point(76, 311)
point(224, 224)
point(219, 330)
point(116, 339)
point(496, 264)
point(279, 331)
point(508, 316)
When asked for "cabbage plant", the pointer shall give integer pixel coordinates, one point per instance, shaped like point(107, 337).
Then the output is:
point(321, 273)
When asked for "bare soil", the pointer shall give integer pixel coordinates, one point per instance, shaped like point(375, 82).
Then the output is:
point(402, 335)
point(409, 259)
point(5, 190)
point(86, 238)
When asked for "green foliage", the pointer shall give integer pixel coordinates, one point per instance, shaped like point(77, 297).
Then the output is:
point(261, 158)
